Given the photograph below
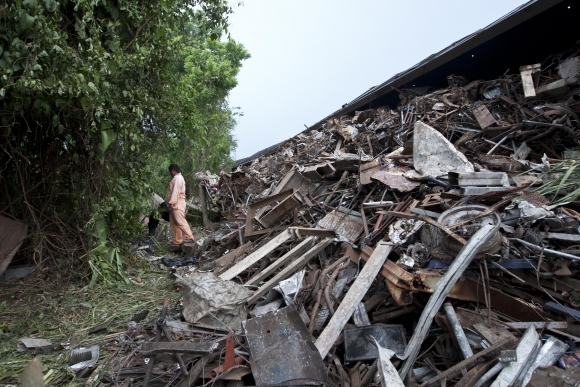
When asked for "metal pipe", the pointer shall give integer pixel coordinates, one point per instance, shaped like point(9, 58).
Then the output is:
point(497, 144)
point(496, 369)
point(546, 251)
point(458, 331)
point(441, 291)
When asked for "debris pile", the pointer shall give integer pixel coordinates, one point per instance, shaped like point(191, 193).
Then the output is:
point(436, 243)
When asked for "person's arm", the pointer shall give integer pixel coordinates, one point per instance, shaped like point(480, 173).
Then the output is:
point(174, 194)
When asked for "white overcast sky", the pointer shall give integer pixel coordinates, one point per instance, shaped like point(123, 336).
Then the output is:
point(309, 57)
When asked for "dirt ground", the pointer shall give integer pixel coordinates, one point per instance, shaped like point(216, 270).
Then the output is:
point(51, 306)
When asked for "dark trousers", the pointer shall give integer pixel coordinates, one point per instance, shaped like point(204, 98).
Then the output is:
point(154, 222)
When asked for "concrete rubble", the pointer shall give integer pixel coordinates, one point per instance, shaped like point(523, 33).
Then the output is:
point(443, 233)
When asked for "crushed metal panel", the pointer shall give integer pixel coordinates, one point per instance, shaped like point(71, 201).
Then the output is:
point(434, 155)
point(281, 209)
point(359, 345)
point(211, 301)
point(12, 234)
point(319, 171)
point(254, 207)
point(343, 225)
point(294, 180)
point(569, 69)
point(483, 116)
point(396, 181)
point(547, 356)
point(282, 350)
point(553, 89)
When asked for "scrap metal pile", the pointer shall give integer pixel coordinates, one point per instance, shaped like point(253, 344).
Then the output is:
point(436, 243)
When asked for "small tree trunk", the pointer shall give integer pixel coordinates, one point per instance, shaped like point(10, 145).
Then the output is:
point(203, 205)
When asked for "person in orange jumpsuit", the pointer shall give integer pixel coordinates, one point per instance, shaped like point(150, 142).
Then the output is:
point(175, 199)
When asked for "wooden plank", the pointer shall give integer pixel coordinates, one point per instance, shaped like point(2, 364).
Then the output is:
point(289, 270)
point(256, 256)
point(538, 325)
point(492, 335)
point(352, 298)
point(280, 262)
point(527, 80)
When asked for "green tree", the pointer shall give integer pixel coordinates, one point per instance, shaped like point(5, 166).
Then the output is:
point(92, 94)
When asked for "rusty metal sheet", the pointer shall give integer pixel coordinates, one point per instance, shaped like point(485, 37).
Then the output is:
point(282, 350)
point(483, 116)
point(396, 181)
point(403, 284)
point(342, 224)
point(12, 234)
point(467, 290)
point(368, 170)
point(401, 296)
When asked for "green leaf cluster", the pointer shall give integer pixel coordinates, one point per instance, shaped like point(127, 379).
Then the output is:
point(97, 97)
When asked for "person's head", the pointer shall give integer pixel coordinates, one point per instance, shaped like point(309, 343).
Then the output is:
point(174, 169)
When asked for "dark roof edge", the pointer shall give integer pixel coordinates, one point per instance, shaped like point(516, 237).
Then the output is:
point(264, 152)
point(513, 18)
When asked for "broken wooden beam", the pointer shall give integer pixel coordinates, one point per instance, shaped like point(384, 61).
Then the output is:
point(280, 261)
point(256, 256)
point(289, 270)
point(352, 298)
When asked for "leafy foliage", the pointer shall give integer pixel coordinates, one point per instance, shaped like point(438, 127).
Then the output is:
point(96, 98)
